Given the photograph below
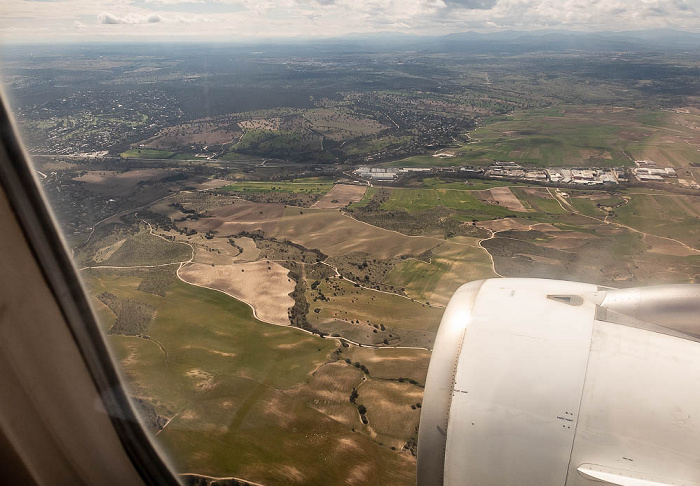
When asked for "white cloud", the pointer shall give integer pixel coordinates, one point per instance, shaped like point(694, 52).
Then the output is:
point(300, 18)
point(111, 19)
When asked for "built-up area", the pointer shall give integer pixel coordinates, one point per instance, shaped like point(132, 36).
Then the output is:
point(645, 171)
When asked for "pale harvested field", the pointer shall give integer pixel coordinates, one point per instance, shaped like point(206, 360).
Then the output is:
point(118, 183)
point(213, 184)
point(507, 199)
point(340, 196)
point(239, 216)
point(265, 286)
point(537, 192)
point(336, 234)
point(505, 224)
point(250, 251)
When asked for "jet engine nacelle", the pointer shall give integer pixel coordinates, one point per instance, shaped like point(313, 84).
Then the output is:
point(538, 382)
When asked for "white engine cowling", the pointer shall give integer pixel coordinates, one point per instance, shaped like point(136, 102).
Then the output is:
point(539, 382)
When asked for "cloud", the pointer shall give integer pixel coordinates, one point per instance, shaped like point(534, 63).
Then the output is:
point(108, 18)
point(472, 4)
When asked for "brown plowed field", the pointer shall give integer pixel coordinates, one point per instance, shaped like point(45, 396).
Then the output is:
point(340, 196)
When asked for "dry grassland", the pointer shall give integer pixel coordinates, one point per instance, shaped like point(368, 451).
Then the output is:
point(389, 410)
point(349, 303)
point(340, 196)
point(505, 224)
point(566, 240)
point(336, 234)
point(666, 247)
point(265, 286)
point(505, 197)
point(329, 392)
point(218, 251)
point(212, 184)
point(240, 216)
point(119, 183)
point(452, 264)
point(391, 363)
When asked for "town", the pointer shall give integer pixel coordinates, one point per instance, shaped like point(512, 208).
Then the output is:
point(645, 171)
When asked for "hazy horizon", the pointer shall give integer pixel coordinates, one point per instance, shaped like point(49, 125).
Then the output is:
point(83, 21)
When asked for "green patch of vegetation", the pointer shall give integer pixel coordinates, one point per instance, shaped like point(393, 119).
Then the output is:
point(467, 206)
point(146, 154)
point(571, 137)
point(468, 185)
point(538, 199)
point(133, 317)
point(419, 278)
point(661, 215)
point(365, 199)
point(147, 249)
point(157, 280)
point(310, 187)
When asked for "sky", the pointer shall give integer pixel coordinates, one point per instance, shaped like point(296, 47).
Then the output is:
point(246, 20)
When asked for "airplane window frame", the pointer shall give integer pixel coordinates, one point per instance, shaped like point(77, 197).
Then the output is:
point(40, 228)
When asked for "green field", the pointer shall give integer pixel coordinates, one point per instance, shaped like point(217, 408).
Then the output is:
point(299, 186)
point(460, 199)
point(539, 200)
point(225, 380)
point(673, 216)
point(470, 185)
point(574, 136)
point(451, 265)
point(146, 154)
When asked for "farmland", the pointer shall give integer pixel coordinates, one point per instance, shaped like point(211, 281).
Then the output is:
point(356, 303)
point(273, 311)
